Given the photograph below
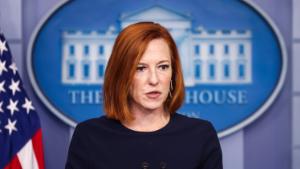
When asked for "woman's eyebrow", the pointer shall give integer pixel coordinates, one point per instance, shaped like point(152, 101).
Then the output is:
point(162, 61)
point(141, 63)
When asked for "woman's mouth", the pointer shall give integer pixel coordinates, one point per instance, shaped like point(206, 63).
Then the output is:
point(153, 94)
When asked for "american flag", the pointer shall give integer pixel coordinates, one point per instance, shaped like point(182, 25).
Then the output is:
point(20, 130)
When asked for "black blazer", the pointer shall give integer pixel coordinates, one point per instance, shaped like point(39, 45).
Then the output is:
point(184, 143)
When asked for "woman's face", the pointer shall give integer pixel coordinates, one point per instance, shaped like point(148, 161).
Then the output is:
point(151, 82)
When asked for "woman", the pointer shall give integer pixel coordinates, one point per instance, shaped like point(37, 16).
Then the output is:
point(143, 88)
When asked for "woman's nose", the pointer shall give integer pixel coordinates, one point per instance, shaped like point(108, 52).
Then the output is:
point(153, 78)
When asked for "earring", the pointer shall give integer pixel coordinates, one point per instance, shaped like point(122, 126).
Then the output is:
point(171, 89)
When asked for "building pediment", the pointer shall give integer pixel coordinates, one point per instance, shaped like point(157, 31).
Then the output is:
point(154, 13)
point(166, 17)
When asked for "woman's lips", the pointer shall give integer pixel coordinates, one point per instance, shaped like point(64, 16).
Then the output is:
point(153, 95)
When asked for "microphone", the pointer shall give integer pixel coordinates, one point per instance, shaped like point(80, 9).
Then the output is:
point(145, 165)
point(163, 165)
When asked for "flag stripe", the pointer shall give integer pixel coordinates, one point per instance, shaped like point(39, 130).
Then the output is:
point(14, 164)
point(38, 148)
point(27, 157)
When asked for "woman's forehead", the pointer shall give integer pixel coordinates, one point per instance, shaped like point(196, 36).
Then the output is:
point(157, 50)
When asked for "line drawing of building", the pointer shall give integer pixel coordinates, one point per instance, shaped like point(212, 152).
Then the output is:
point(217, 57)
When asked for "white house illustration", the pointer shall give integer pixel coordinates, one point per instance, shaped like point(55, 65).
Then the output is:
point(207, 56)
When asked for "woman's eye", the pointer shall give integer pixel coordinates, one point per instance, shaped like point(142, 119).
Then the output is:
point(140, 68)
point(164, 67)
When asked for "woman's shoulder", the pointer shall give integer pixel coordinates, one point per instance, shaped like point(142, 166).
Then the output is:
point(180, 118)
point(186, 122)
point(95, 124)
point(199, 130)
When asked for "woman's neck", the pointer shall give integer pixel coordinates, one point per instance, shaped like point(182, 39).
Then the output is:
point(146, 120)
